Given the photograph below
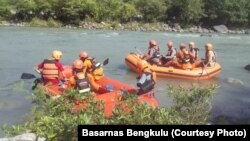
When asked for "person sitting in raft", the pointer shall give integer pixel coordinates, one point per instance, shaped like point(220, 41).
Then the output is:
point(210, 57)
point(194, 51)
point(146, 79)
point(153, 56)
point(171, 53)
point(80, 82)
point(91, 66)
point(194, 55)
point(51, 69)
point(183, 59)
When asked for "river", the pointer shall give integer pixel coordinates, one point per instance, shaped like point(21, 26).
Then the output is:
point(21, 48)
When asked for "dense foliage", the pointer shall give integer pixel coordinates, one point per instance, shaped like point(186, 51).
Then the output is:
point(206, 13)
point(54, 120)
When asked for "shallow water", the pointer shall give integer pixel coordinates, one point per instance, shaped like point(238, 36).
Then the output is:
point(23, 48)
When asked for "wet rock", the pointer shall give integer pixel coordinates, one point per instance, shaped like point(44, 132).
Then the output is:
point(220, 28)
point(247, 67)
point(247, 31)
point(24, 137)
point(234, 81)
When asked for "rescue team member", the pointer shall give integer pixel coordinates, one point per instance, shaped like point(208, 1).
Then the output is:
point(91, 66)
point(51, 69)
point(194, 55)
point(153, 56)
point(146, 79)
point(210, 56)
point(183, 59)
point(84, 83)
point(78, 81)
point(171, 53)
point(194, 51)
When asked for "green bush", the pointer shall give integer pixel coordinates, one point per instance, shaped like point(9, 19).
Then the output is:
point(54, 120)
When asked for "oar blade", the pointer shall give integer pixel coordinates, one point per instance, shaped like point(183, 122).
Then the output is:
point(27, 76)
point(105, 62)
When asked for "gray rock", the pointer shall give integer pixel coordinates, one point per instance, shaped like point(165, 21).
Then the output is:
point(23, 137)
point(220, 28)
point(247, 67)
point(247, 31)
point(234, 81)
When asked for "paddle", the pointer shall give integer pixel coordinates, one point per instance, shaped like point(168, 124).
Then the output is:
point(105, 62)
point(27, 76)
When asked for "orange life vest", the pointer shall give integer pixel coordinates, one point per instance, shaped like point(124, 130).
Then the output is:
point(50, 70)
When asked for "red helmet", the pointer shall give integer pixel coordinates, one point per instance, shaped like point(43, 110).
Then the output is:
point(83, 54)
point(77, 64)
point(152, 43)
point(182, 46)
point(170, 44)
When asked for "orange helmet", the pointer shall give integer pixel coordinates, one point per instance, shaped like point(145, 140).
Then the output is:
point(56, 54)
point(170, 44)
point(83, 54)
point(77, 64)
point(209, 47)
point(152, 43)
point(182, 46)
point(141, 65)
point(191, 44)
point(80, 75)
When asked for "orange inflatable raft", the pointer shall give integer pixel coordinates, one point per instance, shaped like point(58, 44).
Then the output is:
point(198, 73)
point(110, 99)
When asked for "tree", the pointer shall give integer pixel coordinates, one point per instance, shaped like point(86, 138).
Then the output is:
point(127, 12)
point(69, 11)
point(152, 10)
point(25, 9)
point(187, 12)
point(228, 12)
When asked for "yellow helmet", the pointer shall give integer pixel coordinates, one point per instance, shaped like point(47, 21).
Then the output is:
point(209, 47)
point(191, 44)
point(56, 54)
point(77, 64)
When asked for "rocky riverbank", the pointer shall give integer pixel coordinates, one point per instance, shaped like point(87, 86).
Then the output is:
point(133, 26)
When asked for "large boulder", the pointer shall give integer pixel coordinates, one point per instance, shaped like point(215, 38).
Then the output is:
point(220, 28)
point(247, 67)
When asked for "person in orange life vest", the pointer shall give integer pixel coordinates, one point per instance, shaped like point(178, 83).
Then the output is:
point(183, 59)
point(51, 69)
point(81, 82)
point(91, 66)
point(153, 56)
point(210, 58)
point(171, 53)
point(83, 55)
point(146, 79)
point(194, 55)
